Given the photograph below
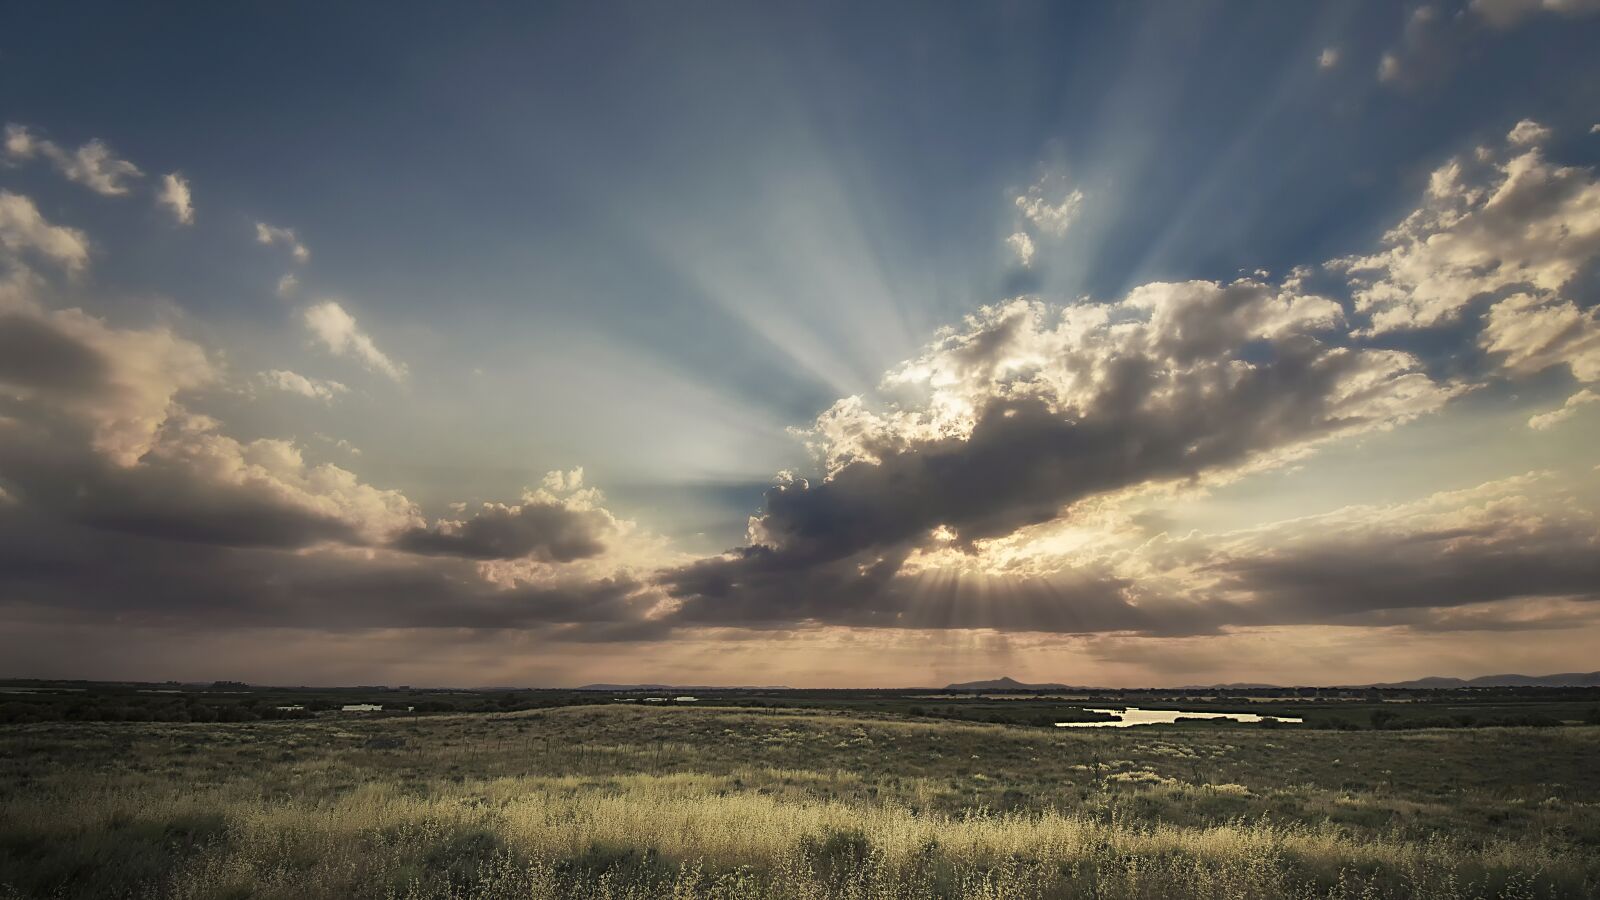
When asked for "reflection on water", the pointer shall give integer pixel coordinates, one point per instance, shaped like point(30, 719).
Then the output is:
point(1133, 715)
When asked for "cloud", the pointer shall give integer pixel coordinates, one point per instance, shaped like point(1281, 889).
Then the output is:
point(1426, 48)
point(24, 231)
point(288, 286)
point(1507, 540)
point(247, 557)
point(1022, 245)
point(209, 531)
point(295, 383)
point(94, 433)
point(1432, 45)
point(336, 330)
point(273, 235)
point(93, 165)
point(1529, 334)
point(346, 446)
point(1053, 217)
point(200, 486)
point(995, 481)
point(544, 527)
point(119, 498)
point(1515, 554)
point(1029, 410)
point(1506, 13)
point(558, 481)
point(1328, 58)
point(174, 195)
point(1567, 410)
point(119, 385)
point(1388, 68)
point(1499, 221)
point(1528, 133)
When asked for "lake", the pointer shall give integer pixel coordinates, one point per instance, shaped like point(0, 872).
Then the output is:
point(1133, 715)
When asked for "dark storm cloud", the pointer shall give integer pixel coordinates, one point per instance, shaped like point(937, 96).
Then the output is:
point(547, 530)
point(1348, 580)
point(159, 498)
point(1422, 568)
point(156, 499)
point(1024, 461)
point(66, 571)
point(873, 592)
point(1126, 404)
point(37, 355)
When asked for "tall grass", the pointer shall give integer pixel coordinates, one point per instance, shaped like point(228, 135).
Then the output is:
point(650, 805)
point(694, 835)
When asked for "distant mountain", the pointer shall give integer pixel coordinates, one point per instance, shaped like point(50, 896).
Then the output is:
point(1434, 682)
point(1563, 679)
point(683, 687)
point(1003, 683)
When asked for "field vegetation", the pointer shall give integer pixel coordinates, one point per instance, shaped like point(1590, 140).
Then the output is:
point(635, 800)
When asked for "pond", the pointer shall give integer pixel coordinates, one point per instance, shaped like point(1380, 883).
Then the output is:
point(1133, 715)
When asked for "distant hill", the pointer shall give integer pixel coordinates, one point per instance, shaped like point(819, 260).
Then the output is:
point(1564, 679)
point(1003, 683)
point(684, 687)
point(1435, 682)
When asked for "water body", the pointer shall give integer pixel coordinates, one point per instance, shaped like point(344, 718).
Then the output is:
point(1133, 715)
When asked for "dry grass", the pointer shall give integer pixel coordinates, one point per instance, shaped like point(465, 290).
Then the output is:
point(331, 817)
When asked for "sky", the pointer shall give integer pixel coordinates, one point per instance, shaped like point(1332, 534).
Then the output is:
point(826, 345)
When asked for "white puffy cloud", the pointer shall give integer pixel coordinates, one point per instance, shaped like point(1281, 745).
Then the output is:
point(20, 143)
point(174, 195)
point(1565, 411)
point(336, 329)
point(1533, 333)
point(24, 231)
point(1044, 211)
point(93, 165)
point(323, 389)
point(1487, 224)
point(558, 481)
point(1022, 246)
point(1072, 359)
point(275, 475)
point(1328, 58)
point(288, 286)
point(274, 235)
point(1527, 133)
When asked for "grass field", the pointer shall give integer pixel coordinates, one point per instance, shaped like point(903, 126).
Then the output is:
point(633, 801)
